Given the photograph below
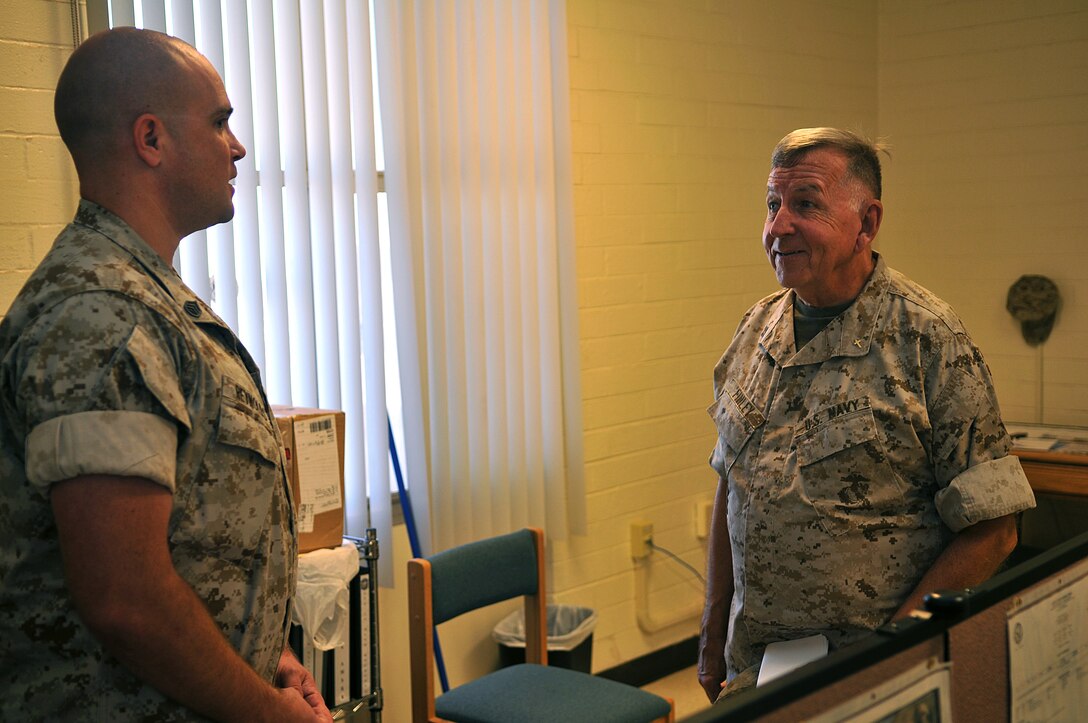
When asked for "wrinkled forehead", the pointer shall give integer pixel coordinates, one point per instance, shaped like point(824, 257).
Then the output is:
point(817, 171)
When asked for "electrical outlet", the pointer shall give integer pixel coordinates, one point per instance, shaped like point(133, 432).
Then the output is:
point(642, 532)
point(703, 511)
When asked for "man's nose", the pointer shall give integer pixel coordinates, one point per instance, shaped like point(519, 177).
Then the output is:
point(238, 151)
point(781, 224)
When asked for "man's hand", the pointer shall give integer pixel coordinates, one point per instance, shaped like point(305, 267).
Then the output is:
point(291, 675)
point(711, 672)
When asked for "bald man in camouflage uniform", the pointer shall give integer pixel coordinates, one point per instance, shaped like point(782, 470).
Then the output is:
point(861, 454)
point(147, 549)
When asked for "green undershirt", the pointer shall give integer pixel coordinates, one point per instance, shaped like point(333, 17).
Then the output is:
point(808, 321)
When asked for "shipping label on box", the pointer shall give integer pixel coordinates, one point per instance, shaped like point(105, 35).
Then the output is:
point(317, 459)
point(313, 441)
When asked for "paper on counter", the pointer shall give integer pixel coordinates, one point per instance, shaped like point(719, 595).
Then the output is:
point(782, 657)
point(1034, 444)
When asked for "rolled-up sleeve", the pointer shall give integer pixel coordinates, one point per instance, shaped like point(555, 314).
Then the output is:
point(101, 393)
point(978, 478)
point(983, 492)
point(130, 444)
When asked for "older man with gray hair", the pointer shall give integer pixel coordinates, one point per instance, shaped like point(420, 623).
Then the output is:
point(861, 455)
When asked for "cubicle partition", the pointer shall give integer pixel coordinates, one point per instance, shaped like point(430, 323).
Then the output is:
point(957, 664)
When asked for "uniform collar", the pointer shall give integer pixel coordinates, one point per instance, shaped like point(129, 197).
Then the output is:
point(113, 227)
point(850, 334)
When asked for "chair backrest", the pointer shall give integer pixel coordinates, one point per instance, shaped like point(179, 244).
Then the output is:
point(465, 578)
point(481, 573)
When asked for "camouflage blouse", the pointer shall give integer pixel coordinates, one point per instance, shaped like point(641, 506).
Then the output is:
point(852, 462)
point(109, 364)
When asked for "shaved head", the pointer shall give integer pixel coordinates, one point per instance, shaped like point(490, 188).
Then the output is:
point(113, 78)
point(145, 117)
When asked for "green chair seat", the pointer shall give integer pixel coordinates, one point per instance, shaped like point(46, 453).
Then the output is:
point(530, 693)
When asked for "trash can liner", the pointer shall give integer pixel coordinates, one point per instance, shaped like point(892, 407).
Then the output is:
point(321, 599)
point(568, 626)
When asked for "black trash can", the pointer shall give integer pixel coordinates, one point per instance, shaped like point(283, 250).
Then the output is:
point(570, 637)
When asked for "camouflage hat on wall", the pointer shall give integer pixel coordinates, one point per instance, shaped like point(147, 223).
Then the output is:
point(1034, 302)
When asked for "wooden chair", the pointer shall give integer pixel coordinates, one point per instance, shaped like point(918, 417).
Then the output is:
point(471, 576)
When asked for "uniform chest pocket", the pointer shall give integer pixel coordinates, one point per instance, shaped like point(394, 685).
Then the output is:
point(736, 419)
point(241, 426)
point(227, 510)
point(845, 473)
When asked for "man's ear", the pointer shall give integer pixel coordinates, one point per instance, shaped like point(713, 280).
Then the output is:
point(147, 138)
point(870, 224)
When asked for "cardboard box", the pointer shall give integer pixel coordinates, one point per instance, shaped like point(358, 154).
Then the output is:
point(313, 442)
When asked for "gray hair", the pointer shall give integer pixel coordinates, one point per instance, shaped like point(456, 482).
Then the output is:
point(862, 162)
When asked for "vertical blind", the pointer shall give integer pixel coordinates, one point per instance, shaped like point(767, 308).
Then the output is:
point(297, 272)
point(480, 184)
point(476, 129)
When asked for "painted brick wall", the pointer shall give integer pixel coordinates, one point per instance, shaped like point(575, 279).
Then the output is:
point(676, 106)
point(986, 105)
point(38, 191)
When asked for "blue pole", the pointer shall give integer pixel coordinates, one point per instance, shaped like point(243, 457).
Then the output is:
point(413, 541)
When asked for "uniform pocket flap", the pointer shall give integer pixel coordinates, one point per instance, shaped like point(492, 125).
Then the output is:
point(735, 415)
point(839, 433)
point(242, 426)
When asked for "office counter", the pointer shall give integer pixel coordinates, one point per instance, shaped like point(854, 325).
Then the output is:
point(1054, 458)
point(1054, 472)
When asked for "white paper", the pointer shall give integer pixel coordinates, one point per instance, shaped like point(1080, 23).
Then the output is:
point(318, 460)
point(1048, 431)
point(1034, 444)
point(782, 657)
point(1048, 651)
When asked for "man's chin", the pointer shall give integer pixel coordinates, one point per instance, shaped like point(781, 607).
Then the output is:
point(786, 280)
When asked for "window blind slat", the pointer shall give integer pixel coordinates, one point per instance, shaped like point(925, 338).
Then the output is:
point(208, 21)
point(512, 344)
point(375, 460)
point(122, 12)
point(267, 168)
point(321, 239)
point(153, 16)
point(350, 361)
point(296, 221)
point(483, 38)
point(246, 246)
point(181, 21)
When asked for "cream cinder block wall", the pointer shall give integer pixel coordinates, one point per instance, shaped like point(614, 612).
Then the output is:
point(986, 107)
point(675, 108)
point(38, 190)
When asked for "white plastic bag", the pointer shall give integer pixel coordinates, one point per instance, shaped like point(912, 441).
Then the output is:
point(321, 599)
point(568, 626)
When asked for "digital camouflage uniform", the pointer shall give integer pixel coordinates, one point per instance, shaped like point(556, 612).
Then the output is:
point(853, 462)
point(109, 364)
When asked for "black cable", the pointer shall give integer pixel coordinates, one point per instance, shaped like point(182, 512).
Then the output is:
point(674, 557)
